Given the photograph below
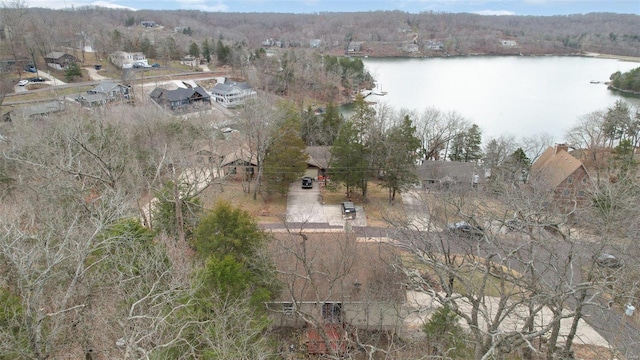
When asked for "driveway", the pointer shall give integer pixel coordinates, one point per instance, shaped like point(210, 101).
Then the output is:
point(93, 74)
point(417, 209)
point(305, 206)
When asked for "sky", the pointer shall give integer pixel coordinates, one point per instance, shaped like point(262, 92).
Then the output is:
point(486, 7)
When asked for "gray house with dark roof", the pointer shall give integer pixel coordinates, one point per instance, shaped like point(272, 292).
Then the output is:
point(59, 60)
point(180, 98)
point(105, 92)
point(231, 94)
point(449, 175)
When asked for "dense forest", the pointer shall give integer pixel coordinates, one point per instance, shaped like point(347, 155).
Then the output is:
point(380, 33)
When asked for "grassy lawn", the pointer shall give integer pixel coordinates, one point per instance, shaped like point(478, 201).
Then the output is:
point(271, 210)
point(377, 207)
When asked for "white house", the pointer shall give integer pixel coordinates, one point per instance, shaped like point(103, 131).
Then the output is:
point(125, 60)
point(231, 94)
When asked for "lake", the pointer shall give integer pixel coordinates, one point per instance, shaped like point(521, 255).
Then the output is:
point(516, 95)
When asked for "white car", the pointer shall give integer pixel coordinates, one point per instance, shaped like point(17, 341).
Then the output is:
point(23, 82)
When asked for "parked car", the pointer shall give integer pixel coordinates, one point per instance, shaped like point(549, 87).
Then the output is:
point(97, 67)
point(37, 79)
point(463, 228)
point(348, 210)
point(155, 65)
point(140, 64)
point(30, 68)
point(23, 82)
point(307, 182)
point(608, 261)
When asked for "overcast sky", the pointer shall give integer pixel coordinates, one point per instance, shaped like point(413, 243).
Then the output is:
point(501, 7)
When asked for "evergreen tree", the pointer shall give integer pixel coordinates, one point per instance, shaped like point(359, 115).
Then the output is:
point(332, 119)
point(233, 245)
point(349, 158)
point(352, 149)
point(401, 154)
point(194, 50)
point(73, 71)
point(286, 159)
point(223, 53)
point(473, 142)
point(206, 51)
point(466, 145)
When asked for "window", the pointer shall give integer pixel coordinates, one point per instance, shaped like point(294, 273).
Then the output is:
point(332, 313)
point(570, 180)
point(565, 192)
point(581, 193)
point(288, 308)
point(584, 180)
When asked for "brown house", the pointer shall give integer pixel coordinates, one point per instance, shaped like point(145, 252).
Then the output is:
point(562, 174)
point(59, 60)
point(335, 284)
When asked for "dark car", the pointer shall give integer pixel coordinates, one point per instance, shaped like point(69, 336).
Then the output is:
point(155, 65)
point(30, 68)
point(348, 210)
point(608, 261)
point(307, 182)
point(463, 228)
point(97, 67)
point(37, 79)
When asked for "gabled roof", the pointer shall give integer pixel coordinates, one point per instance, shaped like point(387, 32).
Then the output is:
point(56, 55)
point(319, 156)
point(447, 171)
point(178, 94)
point(555, 165)
point(230, 86)
point(335, 267)
point(105, 86)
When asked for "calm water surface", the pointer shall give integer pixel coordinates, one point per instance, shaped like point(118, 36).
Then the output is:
point(521, 96)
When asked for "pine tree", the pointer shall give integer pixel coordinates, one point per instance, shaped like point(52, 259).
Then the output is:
point(286, 158)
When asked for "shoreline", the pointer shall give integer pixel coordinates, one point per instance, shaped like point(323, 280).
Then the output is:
point(611, 56)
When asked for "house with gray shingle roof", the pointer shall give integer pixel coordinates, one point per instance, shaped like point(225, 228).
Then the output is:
point(180, 98)
point(449, 175)
point(232, 94)
point(105, 92)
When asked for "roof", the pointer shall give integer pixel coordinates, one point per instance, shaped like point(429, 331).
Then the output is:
point(56, 55)
point(43, 108)
point(319, 156)
point(555, 165)
point(321, 267)
point(229, 85)
point(177, 94)
point(451, 171)
point(105, 87)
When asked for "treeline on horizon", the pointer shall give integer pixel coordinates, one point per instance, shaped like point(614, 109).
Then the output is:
point(382, 33)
